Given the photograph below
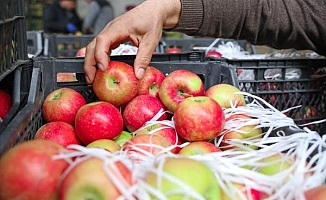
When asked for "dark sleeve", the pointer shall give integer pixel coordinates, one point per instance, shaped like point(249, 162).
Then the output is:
point(53, 21)
point(299, 24)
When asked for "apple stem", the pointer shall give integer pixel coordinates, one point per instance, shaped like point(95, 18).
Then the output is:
point(57, 96)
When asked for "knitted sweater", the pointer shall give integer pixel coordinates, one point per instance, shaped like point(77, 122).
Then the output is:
point(299, 24)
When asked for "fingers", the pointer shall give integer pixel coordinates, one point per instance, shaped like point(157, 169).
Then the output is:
point(89, 62)
point(144, 55)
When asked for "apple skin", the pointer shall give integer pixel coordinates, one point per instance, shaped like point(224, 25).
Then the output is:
point(145, 142)
point(66, 77)
point(199, 148)
point(151, 82)
point(168, 133)
point(214, 54)
point(140, 110)
point(98, 120)
point(179, 85)
point(224, 94)
point(207, 124)
point(106, 144)
point(81, 52)
point(173, 50)
point(59, 132)
point(316, 193)
point(88, 180)
point(252, 194)
point(5, 104)
point(193, 173)
point(117, 85)
point(123, 138)
point(275, 164)
point(27, 171)
point(62, 105)
point(249, 131)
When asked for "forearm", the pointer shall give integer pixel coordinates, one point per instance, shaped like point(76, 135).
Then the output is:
point(297, 24)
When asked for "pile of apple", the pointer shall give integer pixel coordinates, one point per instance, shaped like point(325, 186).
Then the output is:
point(115, 146)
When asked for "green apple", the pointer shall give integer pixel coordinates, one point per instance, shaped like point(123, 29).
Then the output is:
point(192, 173)
point(224, 94)
point(123, 138)
point(275, 164)
point(107, 144)
point(88, 180)
point(199, 148)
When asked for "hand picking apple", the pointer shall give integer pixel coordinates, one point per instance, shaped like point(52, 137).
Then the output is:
point(143, 26)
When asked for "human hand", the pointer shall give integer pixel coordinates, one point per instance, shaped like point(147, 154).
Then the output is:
point(142, 26)
point(71, 28)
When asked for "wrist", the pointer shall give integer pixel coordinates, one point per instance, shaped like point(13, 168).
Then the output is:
point(172, 12)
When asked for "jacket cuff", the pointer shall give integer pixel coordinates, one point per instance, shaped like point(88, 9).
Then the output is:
point(191, 17)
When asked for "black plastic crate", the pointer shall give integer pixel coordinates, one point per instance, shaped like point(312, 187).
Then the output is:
point(29, 119)
point(56, 45)
point(286, 83)
point(12, 36)
point(34, 43)
point(17, 85)
point(186, 44)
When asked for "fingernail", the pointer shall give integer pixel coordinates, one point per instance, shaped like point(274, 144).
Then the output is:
point(140, 73)
point(100, 66)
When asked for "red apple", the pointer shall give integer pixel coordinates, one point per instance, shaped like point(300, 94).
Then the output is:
point(166, 132)
point(98, 120)
point(151, 82)
point(199, 118)
point(173, 50)
point(59, 132)
point(316, 193)
point(88, 180)
point(244, 132)
point(140, 110)
point(179, 85)
point(28, 171)
point(214, 54)
point(66, 77)
point(117, 85)
point(224, 94)
point(199, 148)
point(106, 144)
point(5, 104)
point(62, 105)
point(145, 144)
point(81, 52)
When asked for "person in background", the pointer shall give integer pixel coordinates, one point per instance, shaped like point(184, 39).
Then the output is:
point(61, 17)
point(99, 14)
point(299, 24)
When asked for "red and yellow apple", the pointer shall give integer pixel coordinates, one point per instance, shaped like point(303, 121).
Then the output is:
point(62, 105)
point(140, 110)
point(199, 148)
point(88, 180)
point(98, 120)
point(59, 132)
point(151, 82)
point(226, 95)
point(28, 171)
point(179, 85)
point(117, 85)
point(199, 118)
point(5, 104)
point(107, 144)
